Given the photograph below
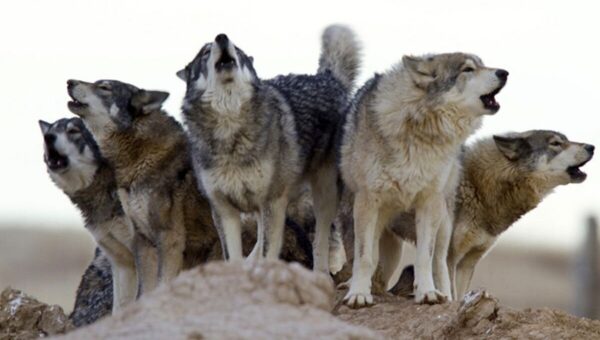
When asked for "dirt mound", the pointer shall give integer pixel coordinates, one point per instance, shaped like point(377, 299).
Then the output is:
point(478, 316)
point(23, 317)
point(279, 300)
point(232, 301)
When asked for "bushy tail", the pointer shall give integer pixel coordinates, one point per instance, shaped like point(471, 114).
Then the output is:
point(340, 53)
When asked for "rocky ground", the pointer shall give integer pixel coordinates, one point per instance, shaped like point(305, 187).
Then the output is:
point(23, 317)
point(276, 300)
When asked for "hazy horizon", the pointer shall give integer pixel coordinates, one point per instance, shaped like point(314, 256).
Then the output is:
point(548, 48)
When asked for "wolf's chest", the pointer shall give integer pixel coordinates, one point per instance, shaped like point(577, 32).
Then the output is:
point(402, 180)
point(245, 187)
point(136, 205)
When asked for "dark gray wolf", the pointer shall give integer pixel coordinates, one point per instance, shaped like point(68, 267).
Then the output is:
point(257, 141)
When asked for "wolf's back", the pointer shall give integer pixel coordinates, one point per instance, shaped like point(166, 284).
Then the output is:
point(340, 53)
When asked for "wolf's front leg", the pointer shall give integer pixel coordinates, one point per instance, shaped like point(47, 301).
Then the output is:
point(122, 266)
point(366, 215)
point(171, 245)
point(390, 250)
point(272, 222)
point(126, 279)
point(146, 264)
point(465, 270)
point(429, 212)
point(229, 226)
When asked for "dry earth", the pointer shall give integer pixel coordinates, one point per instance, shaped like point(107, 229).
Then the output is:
point(277, 300)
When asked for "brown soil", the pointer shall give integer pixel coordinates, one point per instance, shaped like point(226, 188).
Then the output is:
point(276, 300)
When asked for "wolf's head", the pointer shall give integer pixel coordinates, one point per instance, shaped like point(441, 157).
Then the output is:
point(218, 73)
point(547, 153)
point(457, 79)
point(70, 153)
point(109, 105)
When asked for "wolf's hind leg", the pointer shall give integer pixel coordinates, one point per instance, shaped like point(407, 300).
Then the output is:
point(325, 204)
point(390, 254)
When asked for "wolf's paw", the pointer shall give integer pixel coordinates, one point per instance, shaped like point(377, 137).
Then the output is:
point(431, 297)
point(358, 300)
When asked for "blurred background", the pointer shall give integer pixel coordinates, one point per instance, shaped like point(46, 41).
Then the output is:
point(549, 47)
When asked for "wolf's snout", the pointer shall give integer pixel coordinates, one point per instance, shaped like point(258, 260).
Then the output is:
point(49, 139)
point(589, 148)
point(502, 74)
point(222, 40)
point(72, 83)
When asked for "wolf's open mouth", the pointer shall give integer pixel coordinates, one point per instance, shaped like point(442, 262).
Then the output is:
point(225, 62)
point(55, 161)
point(576, 173)
point(74, 104)
point(489, 100)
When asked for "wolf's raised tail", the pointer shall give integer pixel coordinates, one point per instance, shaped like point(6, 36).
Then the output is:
point(340, 53)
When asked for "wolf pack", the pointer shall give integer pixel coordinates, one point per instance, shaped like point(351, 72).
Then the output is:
point(306, 168)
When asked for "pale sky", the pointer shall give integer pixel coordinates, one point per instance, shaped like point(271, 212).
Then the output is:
point(549, 47)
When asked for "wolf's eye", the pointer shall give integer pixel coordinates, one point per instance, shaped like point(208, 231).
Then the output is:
point(73, 131)
point(556, 143)
point(104, 87)
point(468, 69)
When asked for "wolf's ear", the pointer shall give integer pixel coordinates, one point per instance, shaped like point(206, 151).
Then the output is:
point(44, 126)
point(512, 147)
point(419, 70)
point(182, 74)
point(148, 101)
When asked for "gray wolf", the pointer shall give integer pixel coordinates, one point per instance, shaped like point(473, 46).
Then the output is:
point(76, 166)
point(503, 178)
point(399, 151)
point(156, 186)
point(257, 141)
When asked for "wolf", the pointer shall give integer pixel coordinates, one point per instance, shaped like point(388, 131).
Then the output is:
point(503, 178)
point(256, 141)
point(77, 167)
point(399, 151)
point(156, 186)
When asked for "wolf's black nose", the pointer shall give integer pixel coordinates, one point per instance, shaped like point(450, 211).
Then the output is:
point(502, 74)
point(589, 148)
point(49, 139)
point(71, 83)
point(221, 39)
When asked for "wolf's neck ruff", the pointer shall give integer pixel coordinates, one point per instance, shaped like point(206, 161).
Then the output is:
point(499, 191)
point(228, 99)
point(402, 117)
point(137, 157)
